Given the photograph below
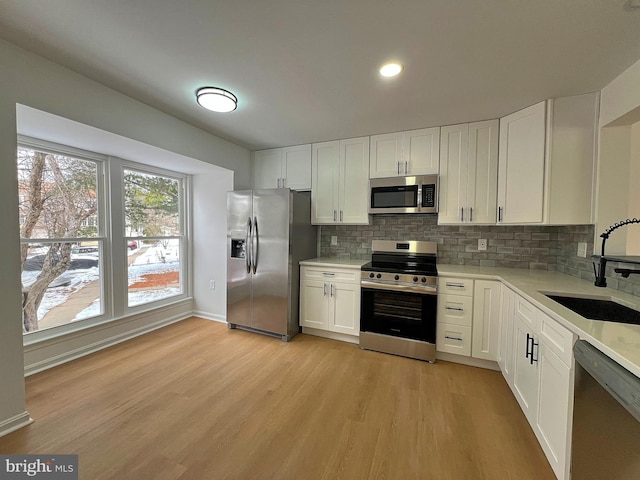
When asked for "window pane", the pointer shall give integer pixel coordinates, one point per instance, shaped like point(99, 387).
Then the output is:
point(154, 270)
point(57, 195)
point(151, 205)
point(60, 284)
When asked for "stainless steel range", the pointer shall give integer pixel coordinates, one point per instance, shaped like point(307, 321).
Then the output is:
point(399, 299)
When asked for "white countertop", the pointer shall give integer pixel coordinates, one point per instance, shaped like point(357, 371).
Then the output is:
point(619, 341)
point(329, 262)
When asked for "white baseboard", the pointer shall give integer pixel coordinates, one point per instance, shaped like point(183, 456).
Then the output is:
point(472, 362)
point(14, 423)
point(332, 335)
point(67, 356)
point(210, 316)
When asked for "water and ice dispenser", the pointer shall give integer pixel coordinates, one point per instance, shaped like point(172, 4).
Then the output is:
point(238, 248)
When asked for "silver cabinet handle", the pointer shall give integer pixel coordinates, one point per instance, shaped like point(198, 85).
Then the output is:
point(462, 214)
point(278, 183)
point(406, 167)
point(327, 274)
point(471, 214)
point(247, 246)
point(324, 289)
point(454, 308)
point(256, 244)
point(284, 183)
point(455, 285)
point(398, 168)
point(341, 215)
point(499, 214)
point(331, 290)
point(452, 338)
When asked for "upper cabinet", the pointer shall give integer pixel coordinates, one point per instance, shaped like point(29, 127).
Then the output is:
point(415, 152)
point(340, 178)
point(468, 173)
point(288, 167)
point(546, 162)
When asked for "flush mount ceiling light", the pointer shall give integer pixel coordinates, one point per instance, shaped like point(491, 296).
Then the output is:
point(217, 99)
point(631, 5)
point(390, 69)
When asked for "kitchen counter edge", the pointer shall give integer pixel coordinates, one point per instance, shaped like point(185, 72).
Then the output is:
point(327, 262)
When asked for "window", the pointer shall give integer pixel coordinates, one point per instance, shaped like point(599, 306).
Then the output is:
point(72, 262)
point(57, 194)
point(154, 235)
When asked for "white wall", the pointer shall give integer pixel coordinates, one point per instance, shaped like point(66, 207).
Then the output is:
point(621, 97)
point(30, 80)
point(210, 243)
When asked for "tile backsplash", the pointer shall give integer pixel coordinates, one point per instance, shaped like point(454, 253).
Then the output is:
point(533, 247)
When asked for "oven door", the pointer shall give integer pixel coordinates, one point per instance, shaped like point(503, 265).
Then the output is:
point(398, 312)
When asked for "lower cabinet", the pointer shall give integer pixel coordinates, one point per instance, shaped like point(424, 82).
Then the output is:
point(468, 317)
point(542, 380)
point(330, 299)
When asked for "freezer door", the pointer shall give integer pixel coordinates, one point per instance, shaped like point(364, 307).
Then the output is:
point(271, 218)
point(239, 220)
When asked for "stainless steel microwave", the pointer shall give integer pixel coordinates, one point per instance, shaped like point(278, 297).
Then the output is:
point(404, 194)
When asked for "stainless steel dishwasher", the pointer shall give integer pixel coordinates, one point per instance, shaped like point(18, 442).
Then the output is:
point(606, 418)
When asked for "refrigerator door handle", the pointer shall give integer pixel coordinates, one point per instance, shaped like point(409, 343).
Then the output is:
point(247, 246)
point(255, 245)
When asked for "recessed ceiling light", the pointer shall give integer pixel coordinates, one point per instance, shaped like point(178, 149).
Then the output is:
point(390, 69)
point(631, 4)
point(217, 99)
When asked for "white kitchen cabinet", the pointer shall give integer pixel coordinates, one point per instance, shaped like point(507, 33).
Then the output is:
point(505, 347)
point(330, 299)
point(414, 152)
point(543, 380)
point(546, 162)
point(468, 173)
point(340, 173)
point(486, 319)
point(521, 165)
point(288, 167)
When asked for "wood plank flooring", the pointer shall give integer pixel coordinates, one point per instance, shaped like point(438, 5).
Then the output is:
point(196, 401)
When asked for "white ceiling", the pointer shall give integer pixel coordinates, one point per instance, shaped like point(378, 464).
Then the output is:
point(306, 70)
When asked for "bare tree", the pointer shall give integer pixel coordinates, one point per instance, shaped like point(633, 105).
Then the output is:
point(60, 195)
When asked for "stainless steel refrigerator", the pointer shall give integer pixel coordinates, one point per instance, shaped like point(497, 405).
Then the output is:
point(268, 233)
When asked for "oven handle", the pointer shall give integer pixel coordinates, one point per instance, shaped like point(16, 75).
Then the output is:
point(422, 289)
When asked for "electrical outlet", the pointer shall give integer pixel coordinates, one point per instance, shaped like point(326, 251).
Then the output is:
point(334, 240)
point(212, 284)
point(582, 249)
point(482, 244)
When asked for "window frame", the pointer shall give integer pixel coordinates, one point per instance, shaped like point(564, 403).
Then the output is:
point(113, 247)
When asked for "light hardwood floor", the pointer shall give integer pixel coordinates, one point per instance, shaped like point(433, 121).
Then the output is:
point(196, 401)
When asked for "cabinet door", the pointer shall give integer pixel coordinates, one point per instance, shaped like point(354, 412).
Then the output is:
point(345, 312)
point(296, 167)
point(421, 152)
point(525, 374)
point(505, 347)
point(314, 304)
point(521, 165)
point(482, 183)
point(555, 409)
point(386, 155)
point(267, 168)
point(453, 174)
point(353, 181)
point(325, 160)
point(486, 319)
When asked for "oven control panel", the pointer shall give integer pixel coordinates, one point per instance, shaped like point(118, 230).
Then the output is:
point(400, 278)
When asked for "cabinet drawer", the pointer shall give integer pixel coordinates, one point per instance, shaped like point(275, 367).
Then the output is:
point(455, 309)
point(527, 312)
point(336, 274)
point(556, 337)
point(455, 286)
point(453, 339)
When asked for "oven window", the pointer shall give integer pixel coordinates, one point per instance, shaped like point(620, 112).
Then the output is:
point(400, 314)
point(394, 197)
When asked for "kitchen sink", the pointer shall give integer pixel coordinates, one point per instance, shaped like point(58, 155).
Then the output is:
point(598, 309)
